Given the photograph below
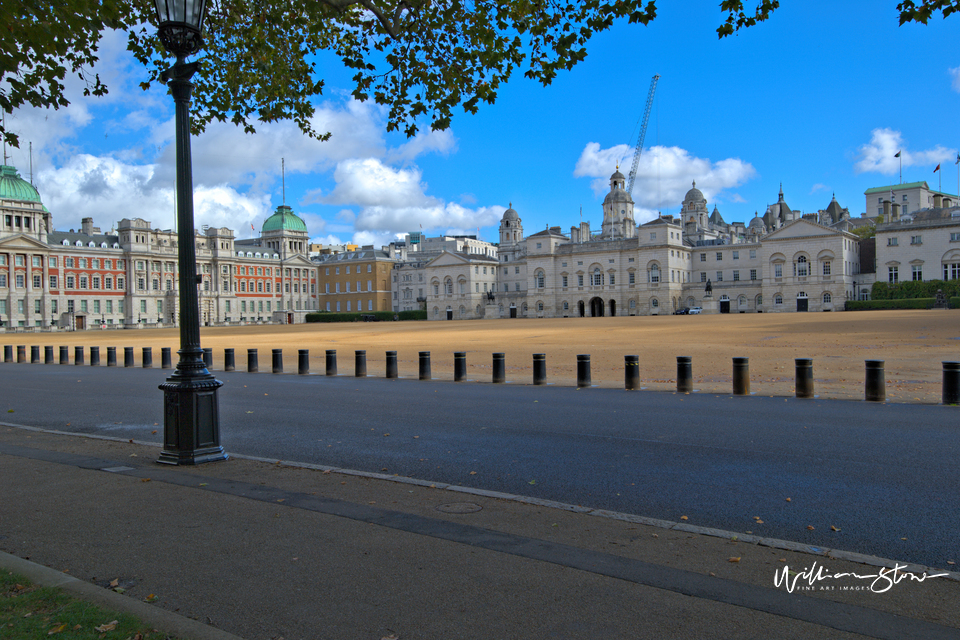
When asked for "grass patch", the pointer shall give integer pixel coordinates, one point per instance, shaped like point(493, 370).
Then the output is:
point(29, 612)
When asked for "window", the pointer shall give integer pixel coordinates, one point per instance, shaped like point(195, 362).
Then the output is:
point(109, 306)
point(736, 276)
point(915, 240)
point(632, 278)
point(539, 245)
point(18, 261)
point(953, 270)
point(83, 306)
point(141, 284)
point(516, 285)
point(655, 274)
point(955, 237)
point(120, 284)
point(597, 278)
point(36, 261)
point(70, 307)
point(736, 255)
point(37, 309)
point(564, 280)
point(753, 274)
point(893, 275)
point(156, 284)
point(778, 270)
point(655, 303)
point(917, 272)
point(613, 278)
point(540, 279)
point(719, 255)
point(753, 254)
point(580, 280)
point(891, 242)
point(719, 276)
point(703, 257)
point(37, 282)
point(703, 277)
point(827, 298)
point(53, 282)
point(778, 299)
point(802, 266)
point(653, 235)
point(826, 268)
point(71, 282)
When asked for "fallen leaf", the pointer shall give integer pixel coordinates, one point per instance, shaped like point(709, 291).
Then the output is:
point(58, 629)
point(532, 482)
point(788, 499)
point(151, 598)
point(810, 527)
point(392, 636)
point(473, 473)
point(144, 479)
point(684, 518)
point(109, 626)
point(280, 499)
point(736, 559)
point(833, 528)
point(759, 521)
point(951, 562)
point(203, 484)
point(115, 582)
point(154, 431)
point(249, 411)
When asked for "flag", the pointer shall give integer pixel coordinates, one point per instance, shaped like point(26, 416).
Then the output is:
point(251, 228)
point(937, 169)
point(898, 155)
point(958, 159)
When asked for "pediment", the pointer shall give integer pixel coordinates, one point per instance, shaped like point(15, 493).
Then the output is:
point(447, 259)
point(800, 229)
point(24, 242)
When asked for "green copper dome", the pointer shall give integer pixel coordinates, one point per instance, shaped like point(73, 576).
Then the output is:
point(284, 220)
point(13, 187)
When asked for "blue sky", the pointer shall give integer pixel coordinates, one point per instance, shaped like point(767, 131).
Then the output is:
point(819, 98)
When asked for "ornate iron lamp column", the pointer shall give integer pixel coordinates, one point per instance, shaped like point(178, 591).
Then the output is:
point(191, 409)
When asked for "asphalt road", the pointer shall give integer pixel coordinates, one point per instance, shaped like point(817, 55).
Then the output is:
point(884, 475)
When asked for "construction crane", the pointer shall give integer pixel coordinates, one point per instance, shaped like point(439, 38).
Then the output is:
point(642, 134)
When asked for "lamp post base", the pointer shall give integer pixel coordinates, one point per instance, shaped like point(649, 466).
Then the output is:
point(191, 421)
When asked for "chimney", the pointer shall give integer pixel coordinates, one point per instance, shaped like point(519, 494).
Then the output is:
point(886, 210)
point(937, 201)
point(86, 227)
point(895, 213)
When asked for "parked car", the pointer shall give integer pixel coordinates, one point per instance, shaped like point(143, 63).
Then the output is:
point(682, 311)
point(695, 310)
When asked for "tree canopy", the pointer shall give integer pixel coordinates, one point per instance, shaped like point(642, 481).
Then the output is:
point(421, 59)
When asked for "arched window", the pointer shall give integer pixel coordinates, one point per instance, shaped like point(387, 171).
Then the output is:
point(827, 298)
point(539, 306)
point(655, 274)
point(448, 286)
point(540, 279)
point(802, 266)
point(566, 306)
point(597, 277)
point(633, 304)
point(655, 303)
point(778, 299)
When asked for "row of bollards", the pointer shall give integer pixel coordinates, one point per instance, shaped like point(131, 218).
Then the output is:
point(874, 380)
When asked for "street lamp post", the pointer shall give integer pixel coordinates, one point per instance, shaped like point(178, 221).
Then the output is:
point(191, 409)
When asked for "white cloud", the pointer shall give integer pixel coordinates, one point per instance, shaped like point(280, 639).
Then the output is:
point(664, 175)
point(879, 155)
point(819, 187)
point(955, 75)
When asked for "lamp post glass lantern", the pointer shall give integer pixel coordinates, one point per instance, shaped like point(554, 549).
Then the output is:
point(191, 409)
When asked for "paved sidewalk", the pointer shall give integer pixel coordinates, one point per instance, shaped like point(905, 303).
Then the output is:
point(266, 550)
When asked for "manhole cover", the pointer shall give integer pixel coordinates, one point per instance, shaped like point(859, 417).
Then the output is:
point(459, 507)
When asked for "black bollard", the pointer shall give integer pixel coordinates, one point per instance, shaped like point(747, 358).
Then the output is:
point(34, 354)
point(539, 368)
point(425, 373)
point(48, 355)
point(392, 364)
point(331, 362)
point(229, 360)
point(64, 355)
point(8, 353)
point(583, 370)
point(459, 366)
point(499, 368)
point(208, 358)
point(360, 360)
point(804, 377)
point(94, 356)
point(78, 355)
point(128, 356)
point(303, 361)
point(277, 360)
point(741, 376)
point(22, 353)
point(111, 356)
point(875, 387)
point(631, 373)
point(147, 357)
point(951, 383)
point(684, 374)
point(166, 358)
point(253, 364)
